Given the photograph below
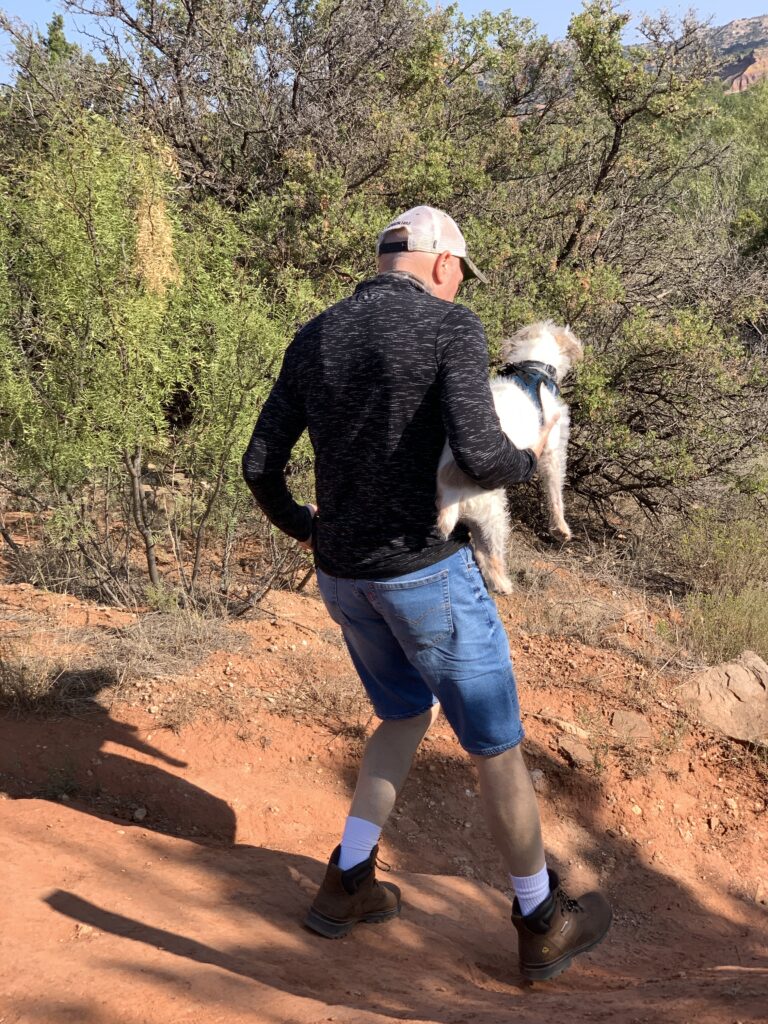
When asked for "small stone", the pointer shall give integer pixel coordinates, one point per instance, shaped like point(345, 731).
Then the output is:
point(713, 822)
point(632, 727)
point(761, 895)
point(539, 780)
point(731, 803)
point(637, 809)
point(575, 752)
point(140, 814)
point(153, 710)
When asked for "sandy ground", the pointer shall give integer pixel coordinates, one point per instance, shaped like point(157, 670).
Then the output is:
point(158, 876)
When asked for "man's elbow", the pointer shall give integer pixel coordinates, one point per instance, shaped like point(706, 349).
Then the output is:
point(491, 475)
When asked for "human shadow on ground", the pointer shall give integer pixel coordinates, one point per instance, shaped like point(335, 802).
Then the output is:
point(451, 957)
point(46, 754)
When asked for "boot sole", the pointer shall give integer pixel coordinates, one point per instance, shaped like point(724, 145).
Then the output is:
point(330, 929)
point(549, 971)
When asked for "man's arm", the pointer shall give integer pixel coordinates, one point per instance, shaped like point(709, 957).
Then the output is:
point(277, 430)
point(481, 449)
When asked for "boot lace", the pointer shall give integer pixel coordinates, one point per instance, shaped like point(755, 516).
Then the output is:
point(379, 863)
point(568, 905)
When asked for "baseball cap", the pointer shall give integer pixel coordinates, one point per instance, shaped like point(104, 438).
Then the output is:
point(429, 230)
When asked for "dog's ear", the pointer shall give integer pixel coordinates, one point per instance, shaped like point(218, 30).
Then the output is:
point(569, 344)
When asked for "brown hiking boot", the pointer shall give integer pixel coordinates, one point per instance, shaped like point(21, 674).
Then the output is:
point(346, 897)
point(559, 930)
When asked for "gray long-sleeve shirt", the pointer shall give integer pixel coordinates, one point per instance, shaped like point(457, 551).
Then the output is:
point(380, 380)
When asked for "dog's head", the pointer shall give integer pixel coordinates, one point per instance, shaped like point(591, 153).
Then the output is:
point(544, 342)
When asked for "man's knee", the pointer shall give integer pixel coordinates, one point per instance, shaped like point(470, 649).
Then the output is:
point(506, 760)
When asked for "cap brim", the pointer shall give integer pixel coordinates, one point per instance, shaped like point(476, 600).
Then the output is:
point(470, 270)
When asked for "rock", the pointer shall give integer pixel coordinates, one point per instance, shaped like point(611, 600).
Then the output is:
point(539, 780)
point(632, 727)
point(140, 814)
point(732, 698)
point(761, 896)
point(563, 726)
point(575, 752)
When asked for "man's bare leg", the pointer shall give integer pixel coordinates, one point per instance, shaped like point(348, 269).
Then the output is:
point(386, 762)
point(511, 810)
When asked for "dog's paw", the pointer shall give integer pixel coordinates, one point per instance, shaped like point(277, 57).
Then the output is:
point(561, 532)
point(502, 585)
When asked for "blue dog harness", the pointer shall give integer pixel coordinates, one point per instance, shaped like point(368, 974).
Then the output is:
point(531, 376)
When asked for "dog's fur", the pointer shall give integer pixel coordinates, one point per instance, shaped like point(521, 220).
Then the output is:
point(485, 512)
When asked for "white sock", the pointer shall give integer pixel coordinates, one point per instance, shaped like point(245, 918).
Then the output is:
point(359, 838)
point(531, 890)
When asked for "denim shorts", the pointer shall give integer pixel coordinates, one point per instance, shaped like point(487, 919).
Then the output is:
point(431, 636)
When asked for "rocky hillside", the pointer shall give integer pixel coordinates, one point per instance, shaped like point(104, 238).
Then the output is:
point(743, 43)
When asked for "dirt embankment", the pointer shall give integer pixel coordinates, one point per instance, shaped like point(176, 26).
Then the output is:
point(162, 834)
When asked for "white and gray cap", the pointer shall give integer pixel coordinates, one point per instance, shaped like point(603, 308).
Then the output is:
point(428, 230)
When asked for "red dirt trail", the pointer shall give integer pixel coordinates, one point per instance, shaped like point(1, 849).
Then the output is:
point(193, 913)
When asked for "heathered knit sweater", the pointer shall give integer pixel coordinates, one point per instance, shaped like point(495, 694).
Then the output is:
point(380, 380)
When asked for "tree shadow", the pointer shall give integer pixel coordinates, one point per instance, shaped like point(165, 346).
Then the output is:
point(58, 751)
point(451, 957)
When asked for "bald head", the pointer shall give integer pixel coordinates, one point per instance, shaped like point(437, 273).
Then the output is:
point(441, 273)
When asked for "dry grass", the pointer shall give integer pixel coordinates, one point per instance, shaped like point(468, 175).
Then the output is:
point(721, 625)
point(115, 664)
point(726, 560)
point(335, 698)
point(34, 684)
point(587, 620)
point(185, 707)
point(170, 643)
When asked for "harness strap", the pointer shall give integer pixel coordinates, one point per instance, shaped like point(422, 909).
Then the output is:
point(534, 376)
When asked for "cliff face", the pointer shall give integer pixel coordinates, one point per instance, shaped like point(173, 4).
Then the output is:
point(743, 44)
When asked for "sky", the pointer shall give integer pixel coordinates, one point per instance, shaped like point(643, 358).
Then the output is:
point(551, 17)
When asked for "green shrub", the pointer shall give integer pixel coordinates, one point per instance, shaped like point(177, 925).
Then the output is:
point(727, 562)
point(720, 625)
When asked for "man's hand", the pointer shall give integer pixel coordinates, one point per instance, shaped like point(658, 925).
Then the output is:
point(546, 430)
point(313, 509)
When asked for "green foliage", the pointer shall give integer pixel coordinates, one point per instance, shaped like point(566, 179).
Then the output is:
point(87, 363)
point(166, 226)
point(726, 554)
point(722, 551)
point(720, 626)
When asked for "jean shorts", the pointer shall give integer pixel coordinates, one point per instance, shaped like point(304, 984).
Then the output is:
point(432, 636)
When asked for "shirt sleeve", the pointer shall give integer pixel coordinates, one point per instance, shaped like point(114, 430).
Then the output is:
point(278, 428)
point(480, 447)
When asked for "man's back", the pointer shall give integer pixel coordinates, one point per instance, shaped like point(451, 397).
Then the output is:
point(380, 379)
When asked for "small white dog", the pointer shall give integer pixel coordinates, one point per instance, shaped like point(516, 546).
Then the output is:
point(526, 395)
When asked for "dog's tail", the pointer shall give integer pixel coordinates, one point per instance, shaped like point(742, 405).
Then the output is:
point(447, 518)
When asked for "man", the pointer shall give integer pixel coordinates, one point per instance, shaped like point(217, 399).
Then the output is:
point(381, 379)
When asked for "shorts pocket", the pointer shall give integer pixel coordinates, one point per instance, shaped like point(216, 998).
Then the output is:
point(417, 611)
